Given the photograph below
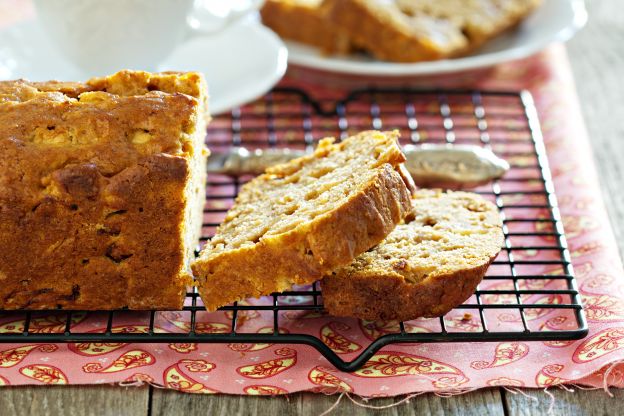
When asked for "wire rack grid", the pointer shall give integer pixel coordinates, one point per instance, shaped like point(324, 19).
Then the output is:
point(529, 293)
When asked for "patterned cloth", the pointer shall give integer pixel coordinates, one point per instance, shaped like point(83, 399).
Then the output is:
point(397, 369)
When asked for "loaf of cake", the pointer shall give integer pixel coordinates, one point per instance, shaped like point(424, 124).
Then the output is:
point(102, 186)
point(302, 219)
point(305, 21)
point(396, 30)
point(428, 265)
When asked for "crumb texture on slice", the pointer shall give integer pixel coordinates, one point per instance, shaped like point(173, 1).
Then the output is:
point(428, 265)
point(101, 188)
point(301, 219)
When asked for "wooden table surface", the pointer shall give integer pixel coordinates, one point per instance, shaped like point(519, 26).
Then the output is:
point(597, 56)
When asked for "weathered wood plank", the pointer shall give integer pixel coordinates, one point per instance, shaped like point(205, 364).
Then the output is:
point(74, 401)
point(167, 402)
point(579, 402)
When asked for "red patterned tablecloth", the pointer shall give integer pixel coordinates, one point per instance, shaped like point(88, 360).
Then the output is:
point(398, 369)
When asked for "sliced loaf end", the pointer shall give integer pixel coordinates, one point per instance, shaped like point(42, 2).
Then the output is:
point(426, 266)
point(304, 218)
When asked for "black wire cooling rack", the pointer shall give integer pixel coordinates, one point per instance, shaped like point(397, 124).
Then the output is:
point(529, 294)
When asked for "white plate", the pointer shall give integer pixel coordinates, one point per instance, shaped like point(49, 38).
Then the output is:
point(240, 63)
point(554, 20)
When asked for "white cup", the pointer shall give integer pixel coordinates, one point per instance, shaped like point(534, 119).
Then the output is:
point(103, 36)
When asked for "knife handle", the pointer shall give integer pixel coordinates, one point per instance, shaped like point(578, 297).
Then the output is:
point(244, 162)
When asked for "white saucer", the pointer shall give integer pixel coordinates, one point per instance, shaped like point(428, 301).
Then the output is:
point(554, 20)
point(240, 63)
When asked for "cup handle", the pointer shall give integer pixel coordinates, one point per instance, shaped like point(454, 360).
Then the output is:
point(211, 16)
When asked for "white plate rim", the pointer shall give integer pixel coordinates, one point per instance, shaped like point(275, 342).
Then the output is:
point(224, 105)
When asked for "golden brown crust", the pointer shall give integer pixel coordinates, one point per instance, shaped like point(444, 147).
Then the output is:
point(390, 297)
point(93, 191)
point(398, 280)
point(306, 252)
point(305, 22)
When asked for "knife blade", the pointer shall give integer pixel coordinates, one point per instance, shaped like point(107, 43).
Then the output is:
point(430, 165)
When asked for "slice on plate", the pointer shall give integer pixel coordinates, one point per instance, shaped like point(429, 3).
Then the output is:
point(424, 30)
point(305, 21)
point(300, 220)
point(426, 266)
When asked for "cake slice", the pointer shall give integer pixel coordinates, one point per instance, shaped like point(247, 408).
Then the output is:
point(302, 219)
point(477, 20)
point(426, 266)
point(305, 21)
point(424, 30)
point(101, 190)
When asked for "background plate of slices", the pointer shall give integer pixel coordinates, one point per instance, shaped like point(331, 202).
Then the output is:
point(553, 21)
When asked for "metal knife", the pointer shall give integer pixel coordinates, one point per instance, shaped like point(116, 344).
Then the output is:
point(430, 165)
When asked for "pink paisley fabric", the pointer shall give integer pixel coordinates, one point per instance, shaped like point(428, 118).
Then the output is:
point(397, 369)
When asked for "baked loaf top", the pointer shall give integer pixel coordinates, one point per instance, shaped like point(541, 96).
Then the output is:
point(89, 174)
point(426, 266)
point(112, 121)
point(302, 219)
